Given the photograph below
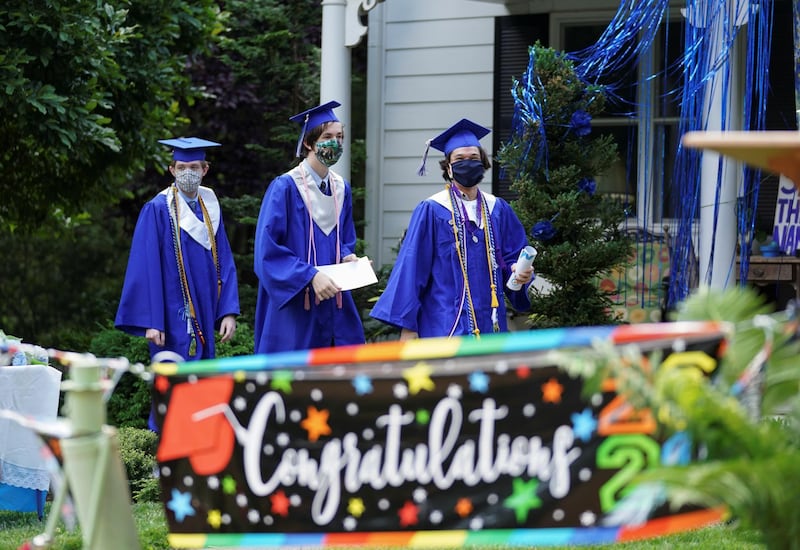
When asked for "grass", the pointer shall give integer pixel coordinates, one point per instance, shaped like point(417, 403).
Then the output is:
point(16, 528)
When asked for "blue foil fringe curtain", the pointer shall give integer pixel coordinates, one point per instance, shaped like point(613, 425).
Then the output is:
point(631, 33)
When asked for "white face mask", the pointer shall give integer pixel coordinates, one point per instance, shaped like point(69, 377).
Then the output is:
point(188, 181)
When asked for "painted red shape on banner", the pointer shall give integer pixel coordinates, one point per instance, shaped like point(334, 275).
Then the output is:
point(207, 441)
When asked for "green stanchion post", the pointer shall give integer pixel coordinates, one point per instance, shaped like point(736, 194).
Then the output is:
point(93, 467)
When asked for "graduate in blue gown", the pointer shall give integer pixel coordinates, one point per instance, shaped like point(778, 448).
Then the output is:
point(460, 248)
point(306, 220)
point(180, 285)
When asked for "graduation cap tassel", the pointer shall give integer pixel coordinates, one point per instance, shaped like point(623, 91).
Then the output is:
point(300, 139)
point(421, 171)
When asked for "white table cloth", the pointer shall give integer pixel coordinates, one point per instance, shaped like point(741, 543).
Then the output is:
point(31, 390)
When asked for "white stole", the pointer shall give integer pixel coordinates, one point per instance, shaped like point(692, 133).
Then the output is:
point(189, 222)
point(324, 209)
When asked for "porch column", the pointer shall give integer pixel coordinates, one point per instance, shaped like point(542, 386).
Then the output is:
point(335, 71)
point(341, 30)
point(718, 231)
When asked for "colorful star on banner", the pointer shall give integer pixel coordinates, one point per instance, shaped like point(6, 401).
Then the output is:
point(180, 504)
point(279, 503)
point(161, 384)
point(479, 382)
point(523, 499)
point(363, 384)
point(418, 378)
point(583, 424)
point(282, 381)
point(229, 485)
point(464, 507)
point(356, 507)
point(316, 423)
point(408, 514)
point(214, 518)
point(551, 391)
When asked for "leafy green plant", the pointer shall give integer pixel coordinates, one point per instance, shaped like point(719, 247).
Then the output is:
point(365, 298)
point(88, 89)
point(240, 344)
point(137, 448)
point(129, 404)
point(554, 161)
point(744, 418)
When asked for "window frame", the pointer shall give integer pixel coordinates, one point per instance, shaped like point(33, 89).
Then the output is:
point(649, 192)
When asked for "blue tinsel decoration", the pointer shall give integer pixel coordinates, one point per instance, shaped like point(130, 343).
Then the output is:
point(705, 62)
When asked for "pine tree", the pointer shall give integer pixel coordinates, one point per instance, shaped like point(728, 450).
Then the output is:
point(554, 160)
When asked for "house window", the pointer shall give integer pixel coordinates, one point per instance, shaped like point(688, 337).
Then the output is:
point(643, 119)
point(513, 36)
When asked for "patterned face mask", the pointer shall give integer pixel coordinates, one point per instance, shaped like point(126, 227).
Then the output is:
point(188, 181)
point(329, 152)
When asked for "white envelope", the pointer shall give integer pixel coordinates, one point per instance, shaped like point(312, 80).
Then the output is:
point(350, 275)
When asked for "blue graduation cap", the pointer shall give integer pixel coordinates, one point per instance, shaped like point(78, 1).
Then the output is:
point(313, 118)
point(187, 149)
point(463, 133)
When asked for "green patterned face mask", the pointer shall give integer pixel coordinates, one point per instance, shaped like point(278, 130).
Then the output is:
point(329, 152)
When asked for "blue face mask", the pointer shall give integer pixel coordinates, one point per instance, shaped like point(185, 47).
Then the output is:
point(468, 173)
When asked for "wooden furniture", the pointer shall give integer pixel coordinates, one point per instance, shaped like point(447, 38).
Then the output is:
point(767, 270)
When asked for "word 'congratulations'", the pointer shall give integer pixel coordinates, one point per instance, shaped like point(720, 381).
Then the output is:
point(446, 457)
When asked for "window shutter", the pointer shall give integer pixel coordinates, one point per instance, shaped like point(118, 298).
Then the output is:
point(513, 35)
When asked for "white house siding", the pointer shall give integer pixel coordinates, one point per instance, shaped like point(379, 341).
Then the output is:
point(431, 63)
point(437, 67)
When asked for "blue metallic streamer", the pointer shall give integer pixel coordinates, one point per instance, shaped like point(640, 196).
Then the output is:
point(704, 63)
point(528, 114)
point(703, 59)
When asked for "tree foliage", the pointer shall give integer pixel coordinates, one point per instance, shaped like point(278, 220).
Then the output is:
point(87, 89)
point(262, 69)
point(231, 70)
point(554, 162)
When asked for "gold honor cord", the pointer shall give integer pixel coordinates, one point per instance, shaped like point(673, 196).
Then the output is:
point(212, 238)
point(459, 221)
point(490, 257)
point(198, 332)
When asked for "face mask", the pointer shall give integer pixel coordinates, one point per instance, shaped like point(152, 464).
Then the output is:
point(188, 181)
point(468, 173)
point(329, 152)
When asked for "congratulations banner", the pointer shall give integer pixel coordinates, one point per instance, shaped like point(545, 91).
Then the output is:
point(432, 442)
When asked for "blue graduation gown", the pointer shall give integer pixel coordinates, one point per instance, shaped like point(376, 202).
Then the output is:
point(151, 294)
point(426, 292)
point(284, 269)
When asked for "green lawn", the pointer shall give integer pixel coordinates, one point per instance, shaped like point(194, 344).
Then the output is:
point(16, 528)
